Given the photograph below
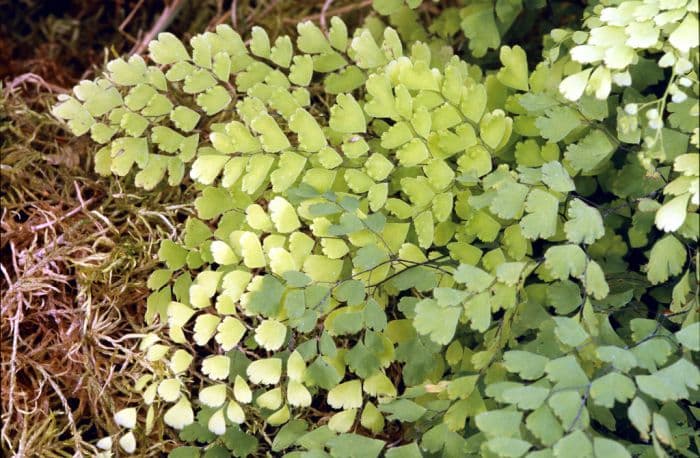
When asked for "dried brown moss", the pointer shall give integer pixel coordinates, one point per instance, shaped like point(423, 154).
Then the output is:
point(76, 251)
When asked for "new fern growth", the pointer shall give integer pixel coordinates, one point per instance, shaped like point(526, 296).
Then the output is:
point(387, 233)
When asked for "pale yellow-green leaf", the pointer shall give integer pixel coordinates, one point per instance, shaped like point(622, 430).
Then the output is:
point(372, 418)
point(297, 394)
point(179, 415)
point(105, 443)
point(235, 412)
point(342, 421)
point(213, 395)
point(280, 417)
point(572, 86)
point(270, 334)
point(169, 389)
point(179, 314)
point(257, 218)
point(241, 390)
point(379, 384)
point(205, 327)
point(283, 215)
point(265, 371)
point(281, 261)
point(347, 395)
point(217, 423)
point(230, 332)
point(128, 442)
point(216, 367)
point(271, 400)
point(223, 253)
point(296, 367)
point(157, 352)
point(126, 418)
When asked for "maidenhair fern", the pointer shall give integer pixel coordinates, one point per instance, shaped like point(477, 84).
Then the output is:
point(504, 262)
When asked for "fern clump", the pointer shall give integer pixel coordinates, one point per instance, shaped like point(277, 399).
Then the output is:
point(502, 261)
